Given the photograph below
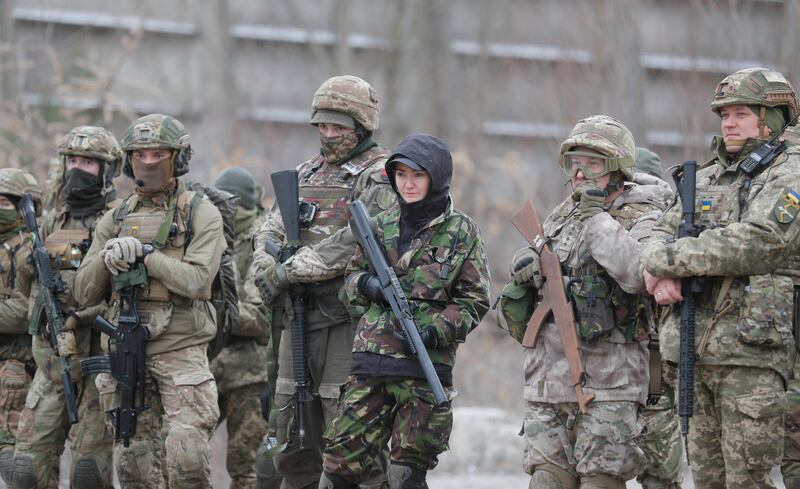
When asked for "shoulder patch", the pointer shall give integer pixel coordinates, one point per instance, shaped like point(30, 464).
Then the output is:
point(787, 206)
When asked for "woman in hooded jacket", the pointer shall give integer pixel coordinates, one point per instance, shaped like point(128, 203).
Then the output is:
point(439, 257)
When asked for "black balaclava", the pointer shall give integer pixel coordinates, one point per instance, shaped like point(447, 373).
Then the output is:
point(429, 153)
point(83, 192)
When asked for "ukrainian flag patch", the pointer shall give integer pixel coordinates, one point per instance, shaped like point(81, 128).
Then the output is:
point(787, 206)
point(705, 205)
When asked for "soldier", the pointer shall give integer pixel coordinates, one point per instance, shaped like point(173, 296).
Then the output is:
point(439, 257)
point(185, 231)
point(239, 369)
point(745, 347)
point(790, 465)
point(16, 357)
point(348, 168)
point(661, 440)
point(597, 234)
point(90, 159)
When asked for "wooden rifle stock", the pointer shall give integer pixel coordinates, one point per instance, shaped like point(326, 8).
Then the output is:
point(553, 301)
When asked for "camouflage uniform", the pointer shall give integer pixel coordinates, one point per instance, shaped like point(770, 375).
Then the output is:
point(600, 449)
point(174, 306)
point(745, 345)
point(444, 273)
point(16, 358)
point(790, 465)
point(44, 426)
point(239, 369)
point(330, 186)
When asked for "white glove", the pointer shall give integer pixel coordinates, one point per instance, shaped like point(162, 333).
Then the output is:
point(127, 249)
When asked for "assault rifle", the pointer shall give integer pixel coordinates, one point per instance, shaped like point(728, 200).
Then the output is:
point(686, 181)
point(393, 293)
point(126, 358)
point(308, 407)
point(554, 301)
point(51, 286)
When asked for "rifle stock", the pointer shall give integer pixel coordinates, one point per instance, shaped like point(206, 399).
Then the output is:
point(553, 302)
point(51, 285)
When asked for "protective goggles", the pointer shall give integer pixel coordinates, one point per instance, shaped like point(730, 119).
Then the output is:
point(591, 165)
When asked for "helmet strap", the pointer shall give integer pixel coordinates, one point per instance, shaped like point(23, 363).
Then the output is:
point(762, 122)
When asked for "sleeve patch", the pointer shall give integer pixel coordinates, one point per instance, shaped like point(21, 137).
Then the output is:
point(787, 206)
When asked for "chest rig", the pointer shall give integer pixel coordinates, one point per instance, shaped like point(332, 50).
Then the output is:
point(7, 268)
point(167, 228)
point(602, 308)
point(328, 189)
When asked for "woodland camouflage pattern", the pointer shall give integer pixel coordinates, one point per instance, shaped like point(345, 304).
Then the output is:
point(453, 307)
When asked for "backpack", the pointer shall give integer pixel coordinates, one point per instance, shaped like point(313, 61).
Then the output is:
point(223, 292)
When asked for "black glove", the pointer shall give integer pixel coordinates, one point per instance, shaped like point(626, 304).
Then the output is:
point(369, 286)
point(266, 403)
point(428, 336)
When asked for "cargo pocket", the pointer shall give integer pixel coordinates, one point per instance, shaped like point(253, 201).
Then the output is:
point(198, 393)
point(761, 429)
point(767, 313)
point(107, 388)
point(516, 306)
point(595, 315)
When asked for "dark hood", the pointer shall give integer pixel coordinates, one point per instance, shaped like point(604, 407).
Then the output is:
point(432, 155)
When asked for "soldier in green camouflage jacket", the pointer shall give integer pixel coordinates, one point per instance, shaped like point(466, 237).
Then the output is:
point(597, 234)
point(439, 257)
point(16, 357)
point(90, 158)
point(349, 167)
point(745, 347)
point(239, 369)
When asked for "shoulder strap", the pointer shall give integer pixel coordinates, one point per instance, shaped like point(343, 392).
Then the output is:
point(186, 207)
point(122, 210)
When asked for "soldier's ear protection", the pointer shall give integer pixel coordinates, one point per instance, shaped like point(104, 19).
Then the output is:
point(182, 161)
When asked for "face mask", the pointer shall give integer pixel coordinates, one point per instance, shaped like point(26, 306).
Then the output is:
point(82, 190)
point(244, 219)
point(8, 217)
point(152, 178)
point(336, 148)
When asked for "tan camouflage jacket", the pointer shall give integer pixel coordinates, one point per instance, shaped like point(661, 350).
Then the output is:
point(192, 320)
point(748, 256)
point(243, 361)
point(616, 366)
point(15, 342)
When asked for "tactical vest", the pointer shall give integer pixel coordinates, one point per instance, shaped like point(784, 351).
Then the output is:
point(329, 188)
point(603, 309)
point(7, 268)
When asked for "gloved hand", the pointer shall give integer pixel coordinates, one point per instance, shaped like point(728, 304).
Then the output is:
point(67, 345)
point(14, 383)
point(369, 287)
point(525, 268)
point(266, 403)
point(126, 249)
point(428, 336)
point(591, 200)
point(271, 281)
point(115, 265)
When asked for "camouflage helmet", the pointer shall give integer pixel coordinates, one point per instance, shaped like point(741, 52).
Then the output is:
point(158, 131)
point(93, 142)
point(756, 86)
point(349, 95)
point(15, 182)
point(609, 137)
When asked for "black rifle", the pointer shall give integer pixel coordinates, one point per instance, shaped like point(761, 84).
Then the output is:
point(308, 407)
point(685, 182)
point(126, 358)
point(51, 286)
point(393, 293)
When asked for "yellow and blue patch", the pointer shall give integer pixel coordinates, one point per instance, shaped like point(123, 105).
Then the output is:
point(706, 204)
point(787, 206)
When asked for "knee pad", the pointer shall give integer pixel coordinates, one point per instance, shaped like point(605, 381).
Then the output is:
point(134, 464)
point(6, 462)
point(602, 481)
point(86, 474)
point(406, 477)
point(549, 476)
point(192, 457)
point(333, 481)
point(22, 475)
